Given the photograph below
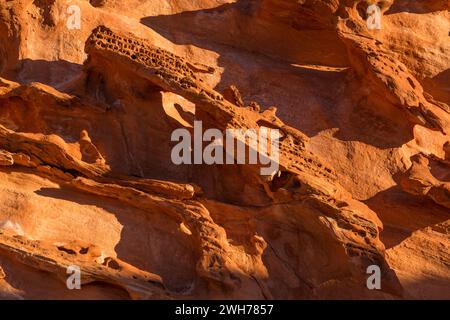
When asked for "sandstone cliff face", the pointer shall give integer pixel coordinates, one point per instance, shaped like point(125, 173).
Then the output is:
point(87, 180)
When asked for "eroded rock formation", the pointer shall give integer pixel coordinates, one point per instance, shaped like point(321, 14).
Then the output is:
point(87, 179)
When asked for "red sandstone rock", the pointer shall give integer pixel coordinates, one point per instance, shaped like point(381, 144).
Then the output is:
point(86, 177)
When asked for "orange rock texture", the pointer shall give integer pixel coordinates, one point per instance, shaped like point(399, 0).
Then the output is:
point(92, 91)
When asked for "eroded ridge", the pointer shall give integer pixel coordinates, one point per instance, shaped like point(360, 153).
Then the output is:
point(174, 70)
point(56, 259)
point(174, 74)
point(390, 80)
point(428, 176)
point(303, 176)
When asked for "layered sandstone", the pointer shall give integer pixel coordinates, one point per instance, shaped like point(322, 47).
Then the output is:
point(87, 178)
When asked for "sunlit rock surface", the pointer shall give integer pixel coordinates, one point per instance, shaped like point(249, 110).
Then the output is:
point(91, 92)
